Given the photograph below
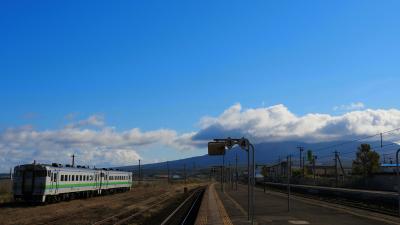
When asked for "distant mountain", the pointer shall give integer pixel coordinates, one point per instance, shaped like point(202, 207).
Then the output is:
point(271, 152)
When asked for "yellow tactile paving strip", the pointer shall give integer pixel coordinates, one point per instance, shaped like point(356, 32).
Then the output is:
point(212, 211)
point(202, 215)
point(222, 211)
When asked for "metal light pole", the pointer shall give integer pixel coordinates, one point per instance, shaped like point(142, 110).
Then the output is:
point(248, 183)
point(252, 186)
point(398, 180)
point(219, 146)
point(223, 173)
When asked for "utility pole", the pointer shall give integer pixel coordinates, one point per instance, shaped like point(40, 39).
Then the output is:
point(169, 181)
point(230, 174)
point(73, 160)
point(336, 167)
point(288, 173)
point(139, 173)
point(313, 164)
point(184, 172)
point(236, 173)
point(341, 166)
point(301, 149)
point(194, 168)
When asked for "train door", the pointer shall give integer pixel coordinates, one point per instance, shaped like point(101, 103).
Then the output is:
point(51, 181)
point(55, 181)
point(28, 181)
point(101, 178)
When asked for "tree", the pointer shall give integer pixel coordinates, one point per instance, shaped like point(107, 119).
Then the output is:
point(366, 162)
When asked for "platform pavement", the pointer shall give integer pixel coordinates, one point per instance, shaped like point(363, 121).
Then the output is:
point(212, 211)
point(271, 208)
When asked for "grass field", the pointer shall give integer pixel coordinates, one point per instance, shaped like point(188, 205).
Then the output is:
point(5, 191)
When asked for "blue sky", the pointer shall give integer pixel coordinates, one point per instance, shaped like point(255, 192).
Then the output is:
point(167, 64)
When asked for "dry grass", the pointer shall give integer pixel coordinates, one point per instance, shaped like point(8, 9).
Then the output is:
point(5, 191)
point(88, 211)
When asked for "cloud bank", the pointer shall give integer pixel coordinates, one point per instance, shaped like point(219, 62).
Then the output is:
point(277, 123)
point(96, 142)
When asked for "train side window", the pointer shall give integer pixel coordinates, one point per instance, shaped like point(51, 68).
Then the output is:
point(73, 177)
point(80, 177)
point(55, 177)
point(87, 177)
point(62, 178)
point(69, 177)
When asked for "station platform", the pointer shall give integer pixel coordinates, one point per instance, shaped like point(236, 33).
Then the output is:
point(212, 210)
point(230, 207)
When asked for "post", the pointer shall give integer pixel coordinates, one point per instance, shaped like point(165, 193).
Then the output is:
point(236, 173)
point(301, 149)
point(264, 183)
point(194, 169)
point(73, 160)
point(223, 173)
point(169, 181)
point(381, 141)
point(336, 168)
point(248, 183)
point(288, 173)
point(139, 172)
point(231, 176)
point(341, 167)
point(184, 172)
point(398, 180)
point(313, 162)
point(252, 186)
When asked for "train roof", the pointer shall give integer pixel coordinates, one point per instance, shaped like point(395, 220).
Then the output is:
point(68, 167)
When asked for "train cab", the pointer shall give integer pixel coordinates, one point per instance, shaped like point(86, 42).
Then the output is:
point(29, 182)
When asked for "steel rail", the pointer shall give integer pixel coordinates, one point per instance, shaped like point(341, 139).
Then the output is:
point(176, 211)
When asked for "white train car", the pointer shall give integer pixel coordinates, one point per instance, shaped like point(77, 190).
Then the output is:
point(40, 183)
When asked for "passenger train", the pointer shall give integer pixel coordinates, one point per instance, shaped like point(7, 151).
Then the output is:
point(41, 182)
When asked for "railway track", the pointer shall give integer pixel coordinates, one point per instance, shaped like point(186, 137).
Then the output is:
point(341, 201)
point(133, 211)
point(186, 212)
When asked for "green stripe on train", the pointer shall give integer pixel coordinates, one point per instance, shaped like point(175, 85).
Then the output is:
point(54, 186)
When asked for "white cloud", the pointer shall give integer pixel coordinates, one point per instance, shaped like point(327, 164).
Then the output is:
point(277, 123)
point(98, 144)
point(350, 107)
point(94, 121)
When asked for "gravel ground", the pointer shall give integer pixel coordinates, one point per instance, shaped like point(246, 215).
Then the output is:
point(85, 211)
